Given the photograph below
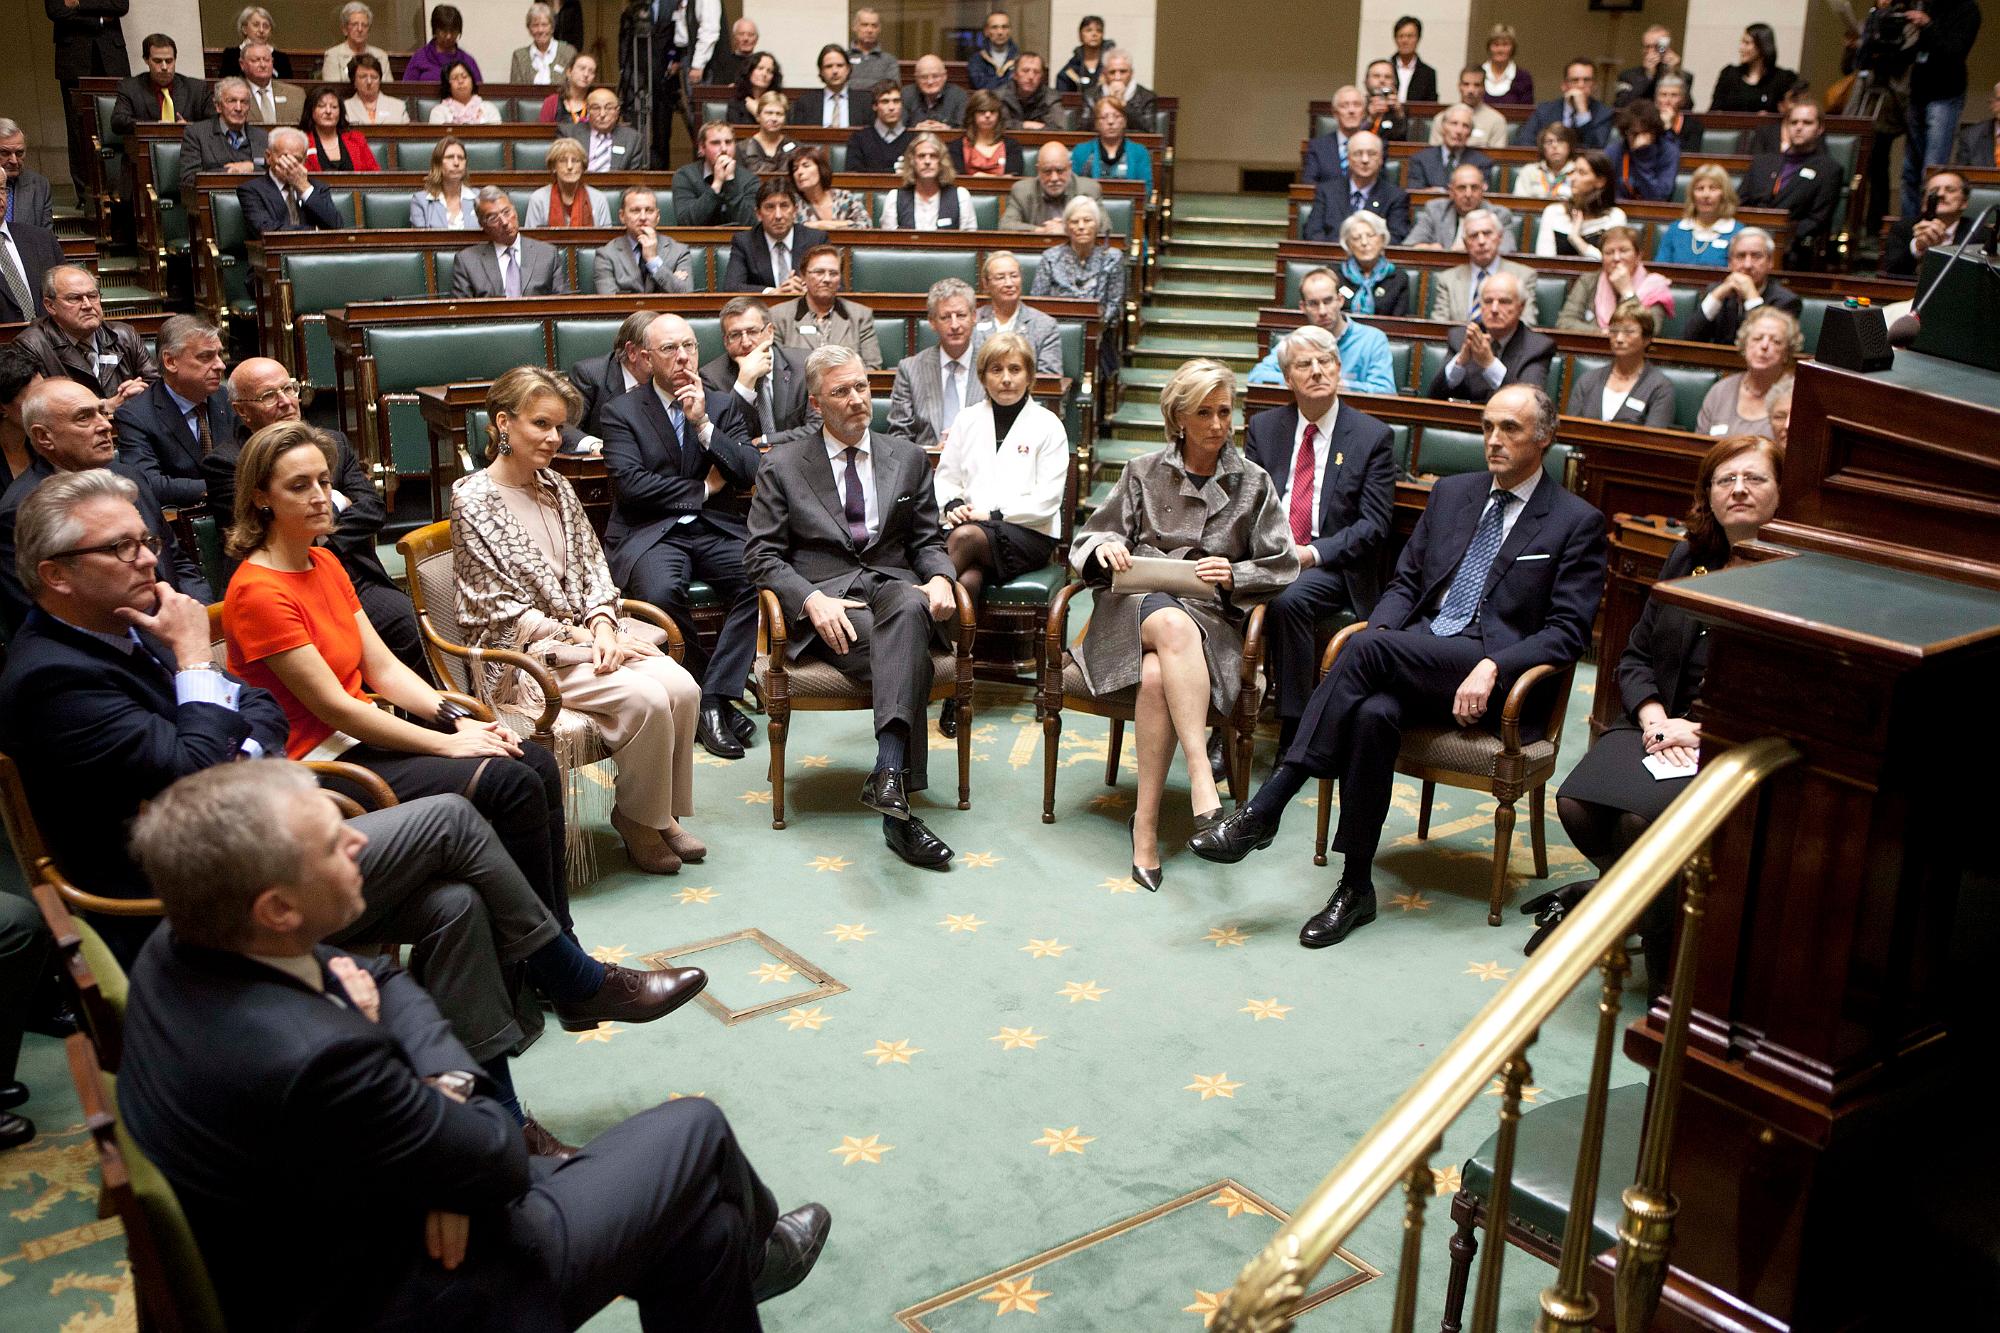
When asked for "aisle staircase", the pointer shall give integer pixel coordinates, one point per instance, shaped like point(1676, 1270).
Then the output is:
point(1212, 277)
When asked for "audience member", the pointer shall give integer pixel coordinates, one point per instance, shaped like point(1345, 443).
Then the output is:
point(685, 36)
point(1803, 179)
point(1181, 652)
point(1431, 169)
point(366, 103)
point(1334, 472)
point(602, 380)
point(931, 103)
point(1027, 102)
point(1489, 127)
point(768, 380)
point(1578, 108)
point(571, 105)
point(1326, 155)
point(927, 200)
point(834, 104)
point(1979, 142)
point(845, 563)
point(1039, 204)
point(74, 340)
point(1758, 81)
point(159, 94)
point(89, 42)
point(544, 58)
point(272, 102)
point(1415, 81)
point(569, 22)
point(1592, 298)
point(27, 255)
point(1382, 114)
point(1082, 269)
point(1549, 175)
point(1086, 64)
point(821, 205)
point(1363, 352)
point(1361, 188)
point(769, 256)
point(608, 145)
point(769, 150)
point(1440, 223)
point(225, 141)
point(330, 144)
point(1005, 312)
point(357, 21)
point(566, 201)
point(1769, 137)
point(1657, 59)
point(1494, 348)
point(872, 64)
point(1111, 156)
point(254, 25)
point(1779, 406)
point(459, 102)
point(1455, 292)
point(725, 66)
point(1644, 158)
point(1627, 388)
point(1573, 226)
point(1672, 98)
point(509, 264)
point(983, 150)
point(1119, 82)
point(1911, 238)
point(283, 197)
point(445, 201)
point(1506, 83)
point(1748, 286)
point(430, 61)
point(1707, 224)
point(1739, 404)
point(26, 190)
point(25, 947)
point(709, 191)
point(822, 317)
point(18, 374)
point(761, 74)
point(934, 385)
point(165, 432)
point(879, 145)
point(1370, 283)
point(646, 259)
point(993, 53)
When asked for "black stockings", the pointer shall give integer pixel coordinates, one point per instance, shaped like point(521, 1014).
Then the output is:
point(971, 554)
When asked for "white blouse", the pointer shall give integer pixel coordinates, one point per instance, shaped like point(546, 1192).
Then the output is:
point(1022, 477)
point(926, 210)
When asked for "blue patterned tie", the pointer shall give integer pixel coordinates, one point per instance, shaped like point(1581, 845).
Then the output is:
point(1461, 600)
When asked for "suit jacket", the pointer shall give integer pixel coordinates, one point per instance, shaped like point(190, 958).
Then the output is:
point(851, 325)
point(1524, 359)
point(138, 100)
point(205, 147)
point(476, 272)
point(1426, 171)
point(657, 480)
point(916, 401)
point(60, 358)
point(1041, 331)
point(1653, 393)
point(521, 68)
point(1333, 201)
point(1810, 196)
point(264, 208)
point(600, 379)
point(97, 733)
point(1323, 159)
point(1975, 144)
point(232, 1065)
point(1542, 593)
point(949, 107)
point(1027, 208)
point(288, 100)
point(618, 268)
point(358, 527)
point(810, 108)
point(89, 38)
point(791, 406)
point(750, 257)
point(1451, 290)
point(1896, 256)
point(1357, 496)
point(28, 196)
point(798, 542)
point(1722, 329)
point(1593, 133)
point(153, 439)
point(40, 252)
point(1423, 81)
point(1437, 224)
point(696, 204)
point(869, 151)
point(628, 150)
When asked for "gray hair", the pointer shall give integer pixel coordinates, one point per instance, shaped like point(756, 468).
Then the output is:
point(1757, 234)
point(213, 842)
point(353, 7)
point(992, 255)
point(949, 289)
point(284, 134)
point(1545, 409)
point(256, 44)
point(831, 356)
point(538, 10)
point(1368, 220)
point(58, 271)
point(633, 330)
point(1190, 385)
point(249, 12)
point(179, 330)
point(47, 523)
point(491, 194)
point(1678, 80)
point(1081, 202)
point(1310, 337)
point(222, 86)
point(8, 129)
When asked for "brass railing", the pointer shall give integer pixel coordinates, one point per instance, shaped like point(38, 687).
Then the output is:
point(1399, 1147)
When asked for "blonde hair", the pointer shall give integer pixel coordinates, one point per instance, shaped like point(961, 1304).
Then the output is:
point(1004, 347)
point(254, 469)
point(1709, 171)
point(517, 388)
point(566, 148)
point(774, 98)
point(1190, 385)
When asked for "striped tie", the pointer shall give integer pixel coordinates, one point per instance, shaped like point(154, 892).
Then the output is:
point(600, 151)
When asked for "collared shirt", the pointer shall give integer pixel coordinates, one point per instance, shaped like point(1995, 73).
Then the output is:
point(500, 253)
point(199, 686)
point(864, 463)
point(791, 252)
point(675, 415)
point(1494, 372)
point(1321, 446)
point(833, 109)
point(543, 63)
point(304, 194)
point(187, 409)
point(302, 968)
point(888, 132)
point(1513, 512)
point(1404, 73)
point(265, 99)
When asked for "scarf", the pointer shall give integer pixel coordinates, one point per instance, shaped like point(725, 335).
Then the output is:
point(1647, 289)
point(1362, 302)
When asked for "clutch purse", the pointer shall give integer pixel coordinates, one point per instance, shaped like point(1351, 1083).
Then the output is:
point(1155, 573)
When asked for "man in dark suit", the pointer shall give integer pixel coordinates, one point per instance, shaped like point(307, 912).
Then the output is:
point(1659, 59)
point(607, 145)
point(1432, 168)
point(226, 141)
point(26, 190)
point(166, 431)
point(769, 257)
point(1749, 284)
point(284, 198)
point(339, 1153)
point(602, 380)
point(1385, 116)
point(1415, 81)
point(1949, 224)
point(70, 431)
point(1335, 472)
point(1803, 179)
point(833, 105)
point(769, 381)
point(508, 264)
point(75, 341)
point(1976, 142)
point(879, 145)
point(1503, 573)
point(677, 455)
point(1326, 156)
point(1577, 108)
point(1115, 78)
point(27, 253)
point(90, 43)
point(159, 93)
point(1495, 347)
point(844, 530)
point(1361, 186)
point(714, 190)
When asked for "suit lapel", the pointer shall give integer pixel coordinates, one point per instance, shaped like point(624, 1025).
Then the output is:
point(819, 475)
point(669, 438)
point(1524, 530)
point(1336, 462)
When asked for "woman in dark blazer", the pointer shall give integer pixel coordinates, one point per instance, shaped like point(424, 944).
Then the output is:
point(1759, 81)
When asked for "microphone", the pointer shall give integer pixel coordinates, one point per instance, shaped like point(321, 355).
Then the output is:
point(1905, 330)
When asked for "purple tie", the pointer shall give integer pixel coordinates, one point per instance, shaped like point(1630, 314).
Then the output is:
point(857, 503)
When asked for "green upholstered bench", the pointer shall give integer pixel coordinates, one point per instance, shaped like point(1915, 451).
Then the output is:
point(1430, 360)
point(232, 267)
point(1721, 141)
point(329, 281)
point(1033, 589)
point(876, 268)
point(1550, 288)
point(1445, 451)
point(406, 359)
point(1399, 437)
point(1030, 259)
point(173, 222)
point(1399, 363)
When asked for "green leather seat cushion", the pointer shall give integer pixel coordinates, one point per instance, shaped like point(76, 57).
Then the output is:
point(408, 358)
point(1545, 1165)
point(1035, 588)
point(332, 279)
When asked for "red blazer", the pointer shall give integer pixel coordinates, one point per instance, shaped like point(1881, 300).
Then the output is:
point(354, 145)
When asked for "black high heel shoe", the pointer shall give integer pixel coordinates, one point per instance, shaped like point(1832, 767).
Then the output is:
point(1150, 880)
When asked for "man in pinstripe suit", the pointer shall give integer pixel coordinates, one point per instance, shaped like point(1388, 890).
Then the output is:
point(935, 384)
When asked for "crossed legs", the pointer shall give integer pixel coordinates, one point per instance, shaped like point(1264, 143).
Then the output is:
point(1172, 709)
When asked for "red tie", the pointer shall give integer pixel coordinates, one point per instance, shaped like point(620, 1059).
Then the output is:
point(1302, 488)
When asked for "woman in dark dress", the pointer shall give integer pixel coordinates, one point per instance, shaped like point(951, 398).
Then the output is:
point(1759, 82)
point(1610, 798)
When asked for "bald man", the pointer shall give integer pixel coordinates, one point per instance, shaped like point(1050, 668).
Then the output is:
point(931, 103)
point(1037, 205)
point(284, 198)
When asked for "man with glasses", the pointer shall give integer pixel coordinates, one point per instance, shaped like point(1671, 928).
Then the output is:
point(74, 340)
point(823, 315)
point(27, 190)
point(1038, 204)
point(769, 381)
point(69, 429)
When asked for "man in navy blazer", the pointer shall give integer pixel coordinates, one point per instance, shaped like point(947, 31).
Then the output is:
point(603, 380)
point(166, 431)
point(1335, 471)
point(1577, 108)
point(677, 455)
point(284, 198)
point(1361, 186)
point(752, 266)
point(1503, 573)
point(1326, 156)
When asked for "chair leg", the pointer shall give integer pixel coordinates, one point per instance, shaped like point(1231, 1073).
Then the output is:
point(1536, 831)
point(781, 722)
point(1111, 754)
point(1239, 776)
point(1465, 1208)
point(1424, 811)
point(1323, 818)
point(1503, 847)
point(965, 742)
point(1051, 738)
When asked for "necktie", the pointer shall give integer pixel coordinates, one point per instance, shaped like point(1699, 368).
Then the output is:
point(17, 282)
point(510, 272)
point(678, 421)
point(269, 108)
point(1355, 200)
point(954, 396)
point(839, 111)
point(291, 207)
point(1301, 497)
point(1450, 165)
point(167, 104)
point(1478, 281)
point(1468, 585)
point(236, 140)
point(781, 261)
point(856, 507)
point(199, 418)
point(767, 409)
point(600, 151)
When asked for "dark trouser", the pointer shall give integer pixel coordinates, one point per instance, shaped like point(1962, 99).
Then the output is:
point(891, 652)
point(436, 878)
point(1290, 620)
point(390, 612)
point(662, 1208)
point(1353, 724)
point(666, 106)
point(661, 576)
point(24, 960)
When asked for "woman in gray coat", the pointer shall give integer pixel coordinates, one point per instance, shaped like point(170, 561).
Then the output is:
point(1199, 500)
point(1629, 388)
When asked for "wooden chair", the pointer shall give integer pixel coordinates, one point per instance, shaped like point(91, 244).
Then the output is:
point(1061, 686)
point(813, 686)
point(1011, 615)
point(94, 975)
point(1476, 759)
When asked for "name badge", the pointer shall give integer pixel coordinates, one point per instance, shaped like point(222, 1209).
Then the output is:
point(1635, 404)
point(618, 149)
point(107, 358)
point(809, 330)
point(1808, 173)
point(1719, 428)
point(984, 326)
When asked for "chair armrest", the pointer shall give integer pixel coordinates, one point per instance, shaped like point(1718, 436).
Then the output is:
point(659, 619)
point(1253, 646)
point(81, 900)
point(479, 708)
point(1056, 630)
point(1517, 699)
point(968, 618)
point(366, 779)
point(1339, 641)
point(772, 617)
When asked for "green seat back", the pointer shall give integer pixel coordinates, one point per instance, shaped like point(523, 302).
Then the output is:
point(531, 154)
point(586, 267)
point(1553, 381)
point(707, 336)
point(519, 196)
point(1420, 129)
point(1550, 288)
point(1721, 141)
point(1681, 179)
point(922, 335)
point(1295, 273)
point(408, 358)
point(1072, 334)
point(343, 204)
point(1814, 315)
point(986, 210)
point(208, 550)
point(524, 110)
point(1983, 198)
point(385, 157)
point(477, 425)
point(894, 337)
point(1037, 587)
point(106, 135)
point(1687, 300)
point(230, 239)
point(1399, 435)
point(1031, 264)
point(879, 422)
point(1544, 1178)
point(716, 111)
point(329, 280)
point(186, 1274)
point(1392, 171)
point(420, 109)
point(1117, 211)
point(443, 263)
point(836, 156)
point(1691, 385)
point(664, 198)
point(1446, 451)
point(1556, 461)
point(878, 268)
point(1304, 216)
point(166, 162)
point(578, 339)
point(385, 208)
point(1431, 361)
point(1323, 123)
point(1845, 148)
point(1399, 363)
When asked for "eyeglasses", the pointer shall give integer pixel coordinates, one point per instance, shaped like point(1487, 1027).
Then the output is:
point(1755, 481)
point(277, 393)
point(674, 348)
point(125, 548)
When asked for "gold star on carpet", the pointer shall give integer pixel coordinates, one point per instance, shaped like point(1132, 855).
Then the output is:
point(981, 860)
point(1233, 1202)
point(1263, 1009)
point(815, 760)
point(1013, 1038)
point(755, 798)
point(1121, 884)
point(1083, 990)
point(603, 1032)
point(696, 896)
point(957, 923)
point(1016, 1295)
point(682, 1096)
point(1411, 902)
point(1207, 1304)
point(1110, 800)
point(1488, 971)
point(1529, 1093)
point(1446, 1180)
point(1226, 935)
point(833, 863)
point(1063, 1140)
point(1046, 948)
point(796, 1018)
point(1213, 1085)
point(896, 1052)
point(611, 953)
point(854, 1150)
point(853, 934)
point(772, 972)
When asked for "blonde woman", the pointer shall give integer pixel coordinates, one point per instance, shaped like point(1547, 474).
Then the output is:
point(445, 201)
point(768, 150)
point(928, 200)
point(1707, 225)
point(566, 201)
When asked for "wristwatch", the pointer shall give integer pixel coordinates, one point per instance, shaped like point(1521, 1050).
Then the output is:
point(457, 1082)
point(205, 664)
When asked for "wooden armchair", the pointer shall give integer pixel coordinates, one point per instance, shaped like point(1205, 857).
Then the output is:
point(814, 686)
point(1011, 614)
point(96, 979)
point(1476, 759)
point(1061, 685)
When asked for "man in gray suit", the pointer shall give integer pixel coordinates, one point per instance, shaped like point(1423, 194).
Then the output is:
point(27, 191)
point(822, 316)
point(844, 530)
point(1438, 222)
point(645, 259)
point(226, 141)
point(607, 145)
point(1005, 312)
point(769, 381)
point(510, 264)
point(935, 385)
point(1038, 204)
point(1452, 291)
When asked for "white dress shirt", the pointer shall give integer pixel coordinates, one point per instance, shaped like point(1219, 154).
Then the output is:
point(864, 463)
point(1321, 446)
point(1512, 514)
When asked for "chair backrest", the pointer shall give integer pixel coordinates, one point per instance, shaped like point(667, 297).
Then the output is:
point(22, 834)
point(1444, 451)
point(385, 208)
point(427, 561)
point(166, 161)
point(97, 980)
point(881, 268)
point(1399, 363)
point(1550, 288)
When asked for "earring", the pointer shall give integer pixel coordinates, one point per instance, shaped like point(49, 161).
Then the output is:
point(264, 512)
point(501, 446)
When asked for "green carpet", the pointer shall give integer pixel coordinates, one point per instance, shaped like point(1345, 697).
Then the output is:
point(1023, 1087)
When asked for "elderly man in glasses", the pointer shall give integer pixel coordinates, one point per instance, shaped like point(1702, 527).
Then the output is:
point(74, 340)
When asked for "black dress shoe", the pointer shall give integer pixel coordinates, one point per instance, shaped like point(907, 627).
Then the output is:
point(1233, 838)
point(632, 995)
point(1345, 912)
point(58, 1021)
point(1218, 757)
point(912, 840)
point(15, 1130)
point(741, 725)
point(13, 1095)
point(883, 793)
point(948, 719)
point(1149, 880)
point(714, 734)
point(1571, 893)
point(792, 1251)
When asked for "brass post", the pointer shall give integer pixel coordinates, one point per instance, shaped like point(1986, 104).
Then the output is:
point(1417, 1189)
point(1486, 1300)
point(1568, 1305)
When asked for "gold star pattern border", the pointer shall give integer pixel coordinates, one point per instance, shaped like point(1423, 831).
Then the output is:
point(1059, 1141)
point(1019, 1294)
point(1232, 1202)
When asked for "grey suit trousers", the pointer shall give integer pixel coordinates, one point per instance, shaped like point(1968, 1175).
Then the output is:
point(892, 653)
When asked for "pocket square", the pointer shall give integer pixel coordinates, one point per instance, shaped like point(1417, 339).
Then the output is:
point(911, 498)
point(1522, 559)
